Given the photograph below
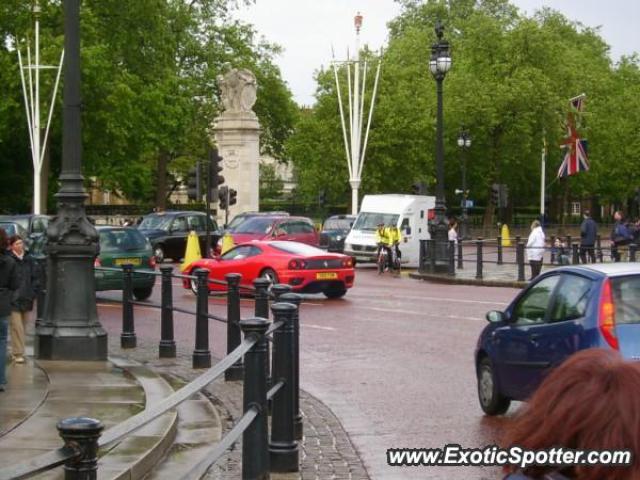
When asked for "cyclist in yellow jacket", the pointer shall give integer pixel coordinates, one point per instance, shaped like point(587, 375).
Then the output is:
point(395, 237)
point(383, 240)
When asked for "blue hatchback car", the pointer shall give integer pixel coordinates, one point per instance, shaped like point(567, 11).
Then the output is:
point(564, 310)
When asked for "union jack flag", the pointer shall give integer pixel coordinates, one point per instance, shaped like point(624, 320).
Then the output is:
point(575, 158)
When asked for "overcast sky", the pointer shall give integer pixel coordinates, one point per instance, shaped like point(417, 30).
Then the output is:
point(306, 29)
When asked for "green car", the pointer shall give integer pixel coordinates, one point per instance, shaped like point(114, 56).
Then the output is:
point(118, 246)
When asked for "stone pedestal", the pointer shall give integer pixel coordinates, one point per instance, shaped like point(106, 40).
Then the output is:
point(237, 135)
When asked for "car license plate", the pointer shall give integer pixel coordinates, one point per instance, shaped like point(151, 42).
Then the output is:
point(127, 261)
point(326, 276)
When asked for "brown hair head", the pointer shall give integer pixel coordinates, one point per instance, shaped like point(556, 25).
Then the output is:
point(14, 238)
point(590, 402)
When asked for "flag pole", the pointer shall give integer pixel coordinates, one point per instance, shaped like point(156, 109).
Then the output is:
point(542, 174)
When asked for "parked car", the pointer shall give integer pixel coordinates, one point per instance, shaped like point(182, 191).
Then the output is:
point(168, 232)
point(335, 231)
point(564, 310)
point(276, 227)
point(14, 228)
point(242, 217)
point(118, 246)
point(307, 269)
point(32, 224)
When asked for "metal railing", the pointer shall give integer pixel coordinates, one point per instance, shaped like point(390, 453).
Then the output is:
point(269, 386)
point(480, 252)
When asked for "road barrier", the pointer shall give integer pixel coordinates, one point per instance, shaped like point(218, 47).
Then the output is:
point(265, 448)
point(490, 251)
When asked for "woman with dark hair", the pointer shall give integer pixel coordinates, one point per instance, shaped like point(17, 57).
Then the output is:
point(590, 402)
point(9, 283)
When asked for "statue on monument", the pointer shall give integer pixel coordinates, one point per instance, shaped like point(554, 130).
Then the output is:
point(238, 90)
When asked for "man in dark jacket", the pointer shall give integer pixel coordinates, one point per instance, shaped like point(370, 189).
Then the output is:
point(620, 235)
point(22, 302)
point(9, 283)
point(588, 234)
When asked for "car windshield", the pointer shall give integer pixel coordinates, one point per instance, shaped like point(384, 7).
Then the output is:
point(297, 248)
point(237, 220)
point(371, 220)
point(337, 224)
point(122, 240)
point(22, 221)
point(155, 222)
point(626, 291)
point(255, 225)
point(9, 228)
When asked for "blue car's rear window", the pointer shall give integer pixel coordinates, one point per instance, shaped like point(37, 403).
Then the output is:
point(121, 240)
point(626, 297)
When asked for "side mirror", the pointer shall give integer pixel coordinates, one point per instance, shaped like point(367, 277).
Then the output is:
point(496, 316)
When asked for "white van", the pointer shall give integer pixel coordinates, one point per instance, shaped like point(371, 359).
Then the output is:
point(411, 213)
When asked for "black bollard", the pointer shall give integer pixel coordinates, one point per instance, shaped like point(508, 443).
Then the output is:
point(41, 294)
point(499, 262)
point(236, 371)
point(452, 258)
point(553, 249)
point(128, 335)
point(574, 254)
point(599, 248)
point(432, 255)
point(460, 261)
point(479, 243)
point(201, 354)
point(520, 260)
point(255, 440)
point(277, 291)
point(422, 259)
point(283, 448)
point(262, 297)
point(296, 300)
point(633, 248)
point(82, 434)
point(167, 347)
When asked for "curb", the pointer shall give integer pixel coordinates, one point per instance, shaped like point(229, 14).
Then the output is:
point(452, 280)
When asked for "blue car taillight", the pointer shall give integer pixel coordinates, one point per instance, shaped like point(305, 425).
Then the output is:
point(607, 315)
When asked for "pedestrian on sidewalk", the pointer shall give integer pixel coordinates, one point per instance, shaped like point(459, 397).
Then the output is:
point(588, 403)
point(22, 301)
point(453, 232)
point(535, 248)
point(9, 282)
point(588, 235)
point(620, 235)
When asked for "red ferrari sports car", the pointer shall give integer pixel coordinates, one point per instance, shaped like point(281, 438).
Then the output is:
point(307, 269)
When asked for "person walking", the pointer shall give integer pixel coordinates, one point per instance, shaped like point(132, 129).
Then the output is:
point(535, 248)
point(588, 234)
point(452, 234)
point(9, 283)
point(22, 301)
point(620, 235)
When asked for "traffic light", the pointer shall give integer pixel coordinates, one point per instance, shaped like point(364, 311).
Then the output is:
point(193, 183)
point(419, 188)
point(233, 196)
point(215, 167)
point(495, 194)
point(223, 196)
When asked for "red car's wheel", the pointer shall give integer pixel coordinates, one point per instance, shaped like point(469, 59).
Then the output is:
point(194, 286)
point(270, 275)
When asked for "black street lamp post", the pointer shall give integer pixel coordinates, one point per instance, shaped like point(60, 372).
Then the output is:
point(439, 65)
point(70, 329)
point(464, 142)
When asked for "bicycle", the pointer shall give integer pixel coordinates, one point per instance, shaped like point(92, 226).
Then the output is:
point(383, 262)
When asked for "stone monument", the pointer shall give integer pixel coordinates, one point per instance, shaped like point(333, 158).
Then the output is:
point(237, 135)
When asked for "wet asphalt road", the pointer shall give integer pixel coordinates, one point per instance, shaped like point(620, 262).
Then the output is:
point(393, 359)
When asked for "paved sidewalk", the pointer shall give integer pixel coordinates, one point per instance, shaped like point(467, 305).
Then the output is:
point(326, 452)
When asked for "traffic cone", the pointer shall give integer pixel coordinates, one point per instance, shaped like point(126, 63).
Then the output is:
point(506, 239)
point(193, 251)
point(227, 243)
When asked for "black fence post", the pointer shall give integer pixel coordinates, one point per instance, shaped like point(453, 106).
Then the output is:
point(277, 291)
point(568, 241)
point(201, 354)
point(255, 440)
point(479, 244)
point(599, 248)
point(574, 254)
point(422, 258)
point(283, 448)
point(81, 433)
point(262, 297)
point(460, 253)
point(500, 260)
point(520, 260)
point(41, 295)
point(452, 258)
point(296, 300)
point(553, 249)
point(167, 347)
point(235, 371)
point(633, 248)
point(431, 252)
point(128, 335)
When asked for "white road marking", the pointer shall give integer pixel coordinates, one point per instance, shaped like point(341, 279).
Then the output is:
point(319, 327)
point(421, 314)
point(440, 299)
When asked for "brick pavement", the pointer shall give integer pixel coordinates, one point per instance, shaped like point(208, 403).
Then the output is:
point(326, 451)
